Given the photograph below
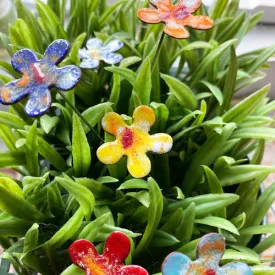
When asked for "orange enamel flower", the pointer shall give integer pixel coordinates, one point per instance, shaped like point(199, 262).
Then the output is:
point(133, 141)
point(176, 17)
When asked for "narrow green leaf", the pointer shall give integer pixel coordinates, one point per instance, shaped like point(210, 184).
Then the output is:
point(208, 153)
point(143, 84)
point(82, 194)
point(80, 149)
point(105, 16)
point(163, 239)
point(94, 114)
point(242, 173)
point(199, 72)
point(154, 214)
point(31, 238)
point(182, 92)
point(12, 159)
point(32, 151)
point(67, 231)
point(255, 132)
point(14, 228)
point(215, 90)
point(19, 208)
point(230, 82)
point(11, 120)
point(48, 123)
point(258, 230)
point(128, 74)
point(242, 110)
point(219, 223)
point(49, 153)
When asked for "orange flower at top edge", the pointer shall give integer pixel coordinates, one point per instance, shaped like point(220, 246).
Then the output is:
point(133, 141)
point(176, 17)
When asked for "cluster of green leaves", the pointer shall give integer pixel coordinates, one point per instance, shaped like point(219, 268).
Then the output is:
point(206, 183)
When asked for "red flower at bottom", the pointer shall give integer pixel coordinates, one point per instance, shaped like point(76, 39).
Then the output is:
point(116, 250)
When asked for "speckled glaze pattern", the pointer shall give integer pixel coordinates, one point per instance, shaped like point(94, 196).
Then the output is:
point(133, 141)
point(210, 250)
point(176, 17)
point(38, 77)
point(96, 52)
point(117, 248)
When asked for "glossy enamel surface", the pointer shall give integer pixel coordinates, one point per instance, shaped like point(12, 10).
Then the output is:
point(133, 141)
point(38, 77)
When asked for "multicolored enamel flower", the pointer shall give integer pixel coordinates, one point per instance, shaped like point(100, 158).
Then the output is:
point(176, 17)
point(209, 254)
point(96, 52)
point(133, 141)
point(117, 248)
point(38, 77)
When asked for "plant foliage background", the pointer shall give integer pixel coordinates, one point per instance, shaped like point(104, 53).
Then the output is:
point(206, 183)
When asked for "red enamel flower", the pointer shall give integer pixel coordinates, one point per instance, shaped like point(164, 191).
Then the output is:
point(116, 250)
point(176, 17)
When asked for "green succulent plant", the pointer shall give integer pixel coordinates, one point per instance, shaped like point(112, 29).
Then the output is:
point(207, 183)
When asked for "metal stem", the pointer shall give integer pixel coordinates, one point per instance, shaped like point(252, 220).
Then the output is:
point(80, 115)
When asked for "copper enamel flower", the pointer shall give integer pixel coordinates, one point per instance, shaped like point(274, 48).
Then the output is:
point(133, 141)
point(117, 248)
point(209, 254)
point(38, 77)
point(176, 17)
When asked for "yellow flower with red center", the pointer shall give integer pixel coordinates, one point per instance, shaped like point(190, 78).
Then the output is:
point(133, 141)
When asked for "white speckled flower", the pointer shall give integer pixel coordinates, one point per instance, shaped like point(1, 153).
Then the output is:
point(133, 141)
point(96, 52)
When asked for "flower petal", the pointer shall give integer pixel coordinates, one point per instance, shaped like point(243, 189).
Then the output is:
point(39, 101)
point(67, 77)
point(149, 15)
point(79, 249)
point(175, 30)
point(23, 59)
point(110, 152)
point(237, 268)
point(133, 270)
point(89, 63)
point(211, 247)
point(117, 247)
point(56, 52)
point(161, 143)
point(198, 22)
point(14, 91)
point(84, 53)
point(155, 2)
point(191, 5)
point(111, 58)
point(113, 123)
point(175, 264)
point(138, 164)
point(112, 46)
point(144, 117)
point(94, 44)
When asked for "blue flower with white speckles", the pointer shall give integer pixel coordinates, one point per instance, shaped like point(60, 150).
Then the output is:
point(38, 77)
point(95, 52)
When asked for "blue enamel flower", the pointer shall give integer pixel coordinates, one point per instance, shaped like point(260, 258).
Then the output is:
point(95, 52)
point(38, 77)
point(209, 254)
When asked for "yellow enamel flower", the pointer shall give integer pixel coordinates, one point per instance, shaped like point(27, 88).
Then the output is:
point(133, 141)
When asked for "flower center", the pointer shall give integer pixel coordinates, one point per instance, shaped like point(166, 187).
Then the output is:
point(210, 272)
point(94, 54)
point(180, 13)
point(38, 75)
point(127, 138)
